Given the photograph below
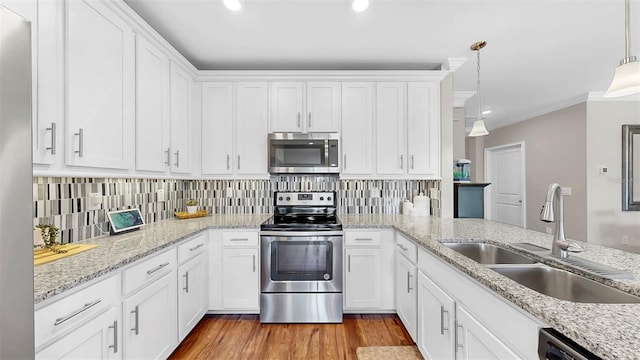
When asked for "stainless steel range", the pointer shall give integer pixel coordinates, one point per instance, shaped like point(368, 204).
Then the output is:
point(301, 259)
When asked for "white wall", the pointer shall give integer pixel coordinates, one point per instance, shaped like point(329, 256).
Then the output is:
point(606, 222)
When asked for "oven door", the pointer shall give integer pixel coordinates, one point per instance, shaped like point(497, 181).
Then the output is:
point(308, 263)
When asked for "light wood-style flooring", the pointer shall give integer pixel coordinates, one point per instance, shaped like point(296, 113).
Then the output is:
point(244, 337)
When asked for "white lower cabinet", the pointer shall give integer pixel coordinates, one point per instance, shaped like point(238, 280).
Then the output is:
point(234, 271)
point(368, 270)
point(98, 339)
point(459, 318)
point(406, 299)
point(192, 284)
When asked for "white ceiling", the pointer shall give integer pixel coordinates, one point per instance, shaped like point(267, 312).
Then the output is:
point(541, 54)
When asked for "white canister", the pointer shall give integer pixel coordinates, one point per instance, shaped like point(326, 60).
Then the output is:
point(421, 201)
point(407, 206)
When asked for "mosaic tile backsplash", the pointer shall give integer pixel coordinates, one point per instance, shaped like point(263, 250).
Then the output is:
point(64, 201)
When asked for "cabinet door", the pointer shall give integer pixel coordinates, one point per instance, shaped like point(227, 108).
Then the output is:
point(100, 338)
point(435, 320)
point(192, 294)
point(240, 280)
point(99, 87)
point(152, 133)
point(251, 131)
point(150, 324)
point(323, 112)
point(474, 341)
point(217, 128)
point(181, 97)
point(391, 104)
point(357, 128)
point(423, 123)
point(287, 107)
point(406, 299)
point(362, 278)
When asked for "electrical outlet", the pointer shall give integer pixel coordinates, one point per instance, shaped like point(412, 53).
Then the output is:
point(160, 195)
point(549, 230)
point(603, 170)
point(94, 201)
point(229, 192)
point(567, 191)
point(625, 239)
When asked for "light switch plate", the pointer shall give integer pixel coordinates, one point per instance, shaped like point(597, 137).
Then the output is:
point(95, 201)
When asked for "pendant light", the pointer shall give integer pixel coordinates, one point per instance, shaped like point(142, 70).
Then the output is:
point(626, 79)
point(478, 126)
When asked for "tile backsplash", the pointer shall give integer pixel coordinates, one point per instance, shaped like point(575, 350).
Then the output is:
point(63, 200)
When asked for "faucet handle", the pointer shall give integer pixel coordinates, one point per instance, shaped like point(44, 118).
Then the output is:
point(574, 247)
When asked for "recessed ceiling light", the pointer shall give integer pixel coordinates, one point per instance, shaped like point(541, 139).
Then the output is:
point(486, 112)
point(360, 5)
point(233, 5)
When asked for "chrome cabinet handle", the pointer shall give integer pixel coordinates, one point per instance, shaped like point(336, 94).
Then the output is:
point(309, 121)
point(115, 336)
point(409, 288)
point(80, 135)
point(364, 239)
point(53, 138)
point(177, 153)
point(136, 311)
point(228, 161)
point(149, 272)
point(168, 161)
point(458, 335)
point(238, 162)
point(186, 282)
point(344, 163)
point(411, 158)
point(298, 118)
point(349, 263)
point(86, 307)
point(404, 248)
point(442, 327)
point(254, 263)
point(401, 162)
point(239, 239)
point(196, 247)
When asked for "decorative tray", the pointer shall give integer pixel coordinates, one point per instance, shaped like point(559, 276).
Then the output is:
point(43, 256)
point(186, 215)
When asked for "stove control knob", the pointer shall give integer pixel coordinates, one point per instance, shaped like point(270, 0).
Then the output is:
point(329, 198)
point(321, 198)
point(288, 198)
point(280, 198)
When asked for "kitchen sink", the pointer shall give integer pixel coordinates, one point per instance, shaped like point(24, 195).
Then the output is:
point(489, 254)
point(564, 285)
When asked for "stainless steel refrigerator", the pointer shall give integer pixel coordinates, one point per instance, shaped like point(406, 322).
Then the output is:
point(16, 219)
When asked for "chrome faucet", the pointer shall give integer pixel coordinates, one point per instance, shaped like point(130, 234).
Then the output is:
point(560, 246)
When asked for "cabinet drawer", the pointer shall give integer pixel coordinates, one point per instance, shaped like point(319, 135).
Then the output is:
point(371, 238)
point(407, 248)
point(149, 270)
point(71, 311)
point(240, 238)
point(192, 247)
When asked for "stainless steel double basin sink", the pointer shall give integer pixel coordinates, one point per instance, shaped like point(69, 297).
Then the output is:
point(557, 283)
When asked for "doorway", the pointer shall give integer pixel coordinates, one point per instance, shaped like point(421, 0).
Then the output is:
point(504, 168)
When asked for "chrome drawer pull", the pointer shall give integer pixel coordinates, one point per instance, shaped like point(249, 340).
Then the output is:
point(364, 239)
point(309, 120)
point(196, 247)
point(254, 263)
point(186, 278)
point(177, 158)
point(149, 272)
point(87, 306)
point(458, 335)
point(298, 119)
point(228, 162)
point(80, 135)
point(442, 327)
point(239, 239)
point(402, 247)
point(115, 336)
point(137, 319)
point(168, 152)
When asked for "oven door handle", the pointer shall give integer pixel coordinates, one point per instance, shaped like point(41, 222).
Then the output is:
point(288, 233)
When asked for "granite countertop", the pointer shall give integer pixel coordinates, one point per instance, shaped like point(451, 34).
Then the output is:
point(611, 331)
point(116, 251)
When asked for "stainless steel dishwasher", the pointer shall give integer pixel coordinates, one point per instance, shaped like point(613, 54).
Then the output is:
point(552, 345)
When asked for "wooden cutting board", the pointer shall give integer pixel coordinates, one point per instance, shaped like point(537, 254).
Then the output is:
point(44, 256)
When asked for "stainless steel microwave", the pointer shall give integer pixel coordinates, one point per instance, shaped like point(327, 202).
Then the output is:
point(312, 153)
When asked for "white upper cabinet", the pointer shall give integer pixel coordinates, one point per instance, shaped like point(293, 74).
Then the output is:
point(152, 132)
point(391, 127)
point(423, 129)
point(251, 131)
point(181, 102)
point(99, 87)
point(305, 107)
point(217, 128)
point(357, 128)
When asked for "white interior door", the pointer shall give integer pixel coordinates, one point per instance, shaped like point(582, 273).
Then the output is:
point(504, 169)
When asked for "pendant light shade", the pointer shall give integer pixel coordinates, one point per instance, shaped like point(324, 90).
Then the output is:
point(626, 79)
point(478, 126)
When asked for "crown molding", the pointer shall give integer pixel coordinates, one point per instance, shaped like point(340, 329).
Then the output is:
point(460, 97)
point(597, 96)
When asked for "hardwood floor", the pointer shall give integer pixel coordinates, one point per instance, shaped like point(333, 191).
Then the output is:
point(243, 337)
